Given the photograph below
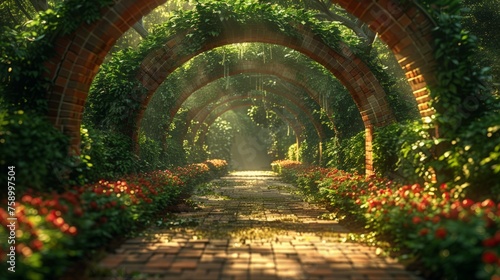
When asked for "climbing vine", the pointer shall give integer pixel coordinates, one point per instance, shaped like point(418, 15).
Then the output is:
point(24, 50)
point(199, 25)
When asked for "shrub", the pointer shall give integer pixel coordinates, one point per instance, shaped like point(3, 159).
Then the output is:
point(37, 150)
point(109, 154)
point(293, 153)
point(474, 157)
point(333, 155)
point(353, 154)
point(386, 149)
point(151, 154)
point(287, 169)
point(451, 236)
point(56, 229)
point(174, 153)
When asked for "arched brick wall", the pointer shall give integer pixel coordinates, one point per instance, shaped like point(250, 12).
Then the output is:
point(202, 115)
point(238, 103)
point(364, 87)
point(406, 29)
point(284, 72)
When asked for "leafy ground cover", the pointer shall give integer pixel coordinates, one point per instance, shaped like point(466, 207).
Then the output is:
point(56, 229)
point(451, 236)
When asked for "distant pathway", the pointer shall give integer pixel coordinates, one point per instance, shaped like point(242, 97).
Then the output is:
point(250, 226)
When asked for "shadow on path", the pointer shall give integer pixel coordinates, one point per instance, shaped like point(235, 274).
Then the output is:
point(250, 225)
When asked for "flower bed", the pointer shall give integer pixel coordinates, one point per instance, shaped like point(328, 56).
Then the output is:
point(54, 230)
point(452, 237)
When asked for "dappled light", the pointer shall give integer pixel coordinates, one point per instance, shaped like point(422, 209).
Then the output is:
point(249, 139)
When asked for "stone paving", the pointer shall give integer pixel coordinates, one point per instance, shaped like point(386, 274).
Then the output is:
point(249, 225)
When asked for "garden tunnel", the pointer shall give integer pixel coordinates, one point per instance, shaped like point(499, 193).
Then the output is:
point(287, 91)
point(199, 75)
point(209, 116)
point(199, 114)
point(297, 126)
point(367, 93)
point(448, 163)
point(406, 29)
point(284, 72)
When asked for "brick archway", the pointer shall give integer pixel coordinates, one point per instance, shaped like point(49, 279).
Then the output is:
point(297, 127)
point(203, 110)
point(406, 30)
point(285, 72)
point(352, 72)
point(203, 114)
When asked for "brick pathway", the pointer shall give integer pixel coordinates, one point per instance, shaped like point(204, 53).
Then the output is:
point(250, 226)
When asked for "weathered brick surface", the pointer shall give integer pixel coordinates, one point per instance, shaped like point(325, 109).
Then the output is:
point(286, 240)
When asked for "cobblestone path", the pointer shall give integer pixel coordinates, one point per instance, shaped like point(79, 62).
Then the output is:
point(249, 226)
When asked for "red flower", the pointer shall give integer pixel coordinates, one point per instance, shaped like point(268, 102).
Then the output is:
point(488, 203)
point(417, 220)
point(436, 219)
point(36, 245)
point(454, 213)
point(72, 231)
point(446, 196)
point(490, 242)
point(423, 232)
point(78, 211)
point(51, 216)
point(440, 233)
point(58, 222)
point(467, 202)
point(26, 198)
point(497, 236)
point(36, 201)
point(93, 205)
point(65, 227)
point(44, 211)
point(489, 257)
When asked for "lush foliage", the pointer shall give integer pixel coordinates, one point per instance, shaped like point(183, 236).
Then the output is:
point(106, 154)
point(55, 229)
point(386, 149)
point(407, 153)
point(347, 154)
point(36, 149)
point(452, 236)
point(201, 24)
point(466, 111)
point(24, 49)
